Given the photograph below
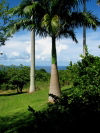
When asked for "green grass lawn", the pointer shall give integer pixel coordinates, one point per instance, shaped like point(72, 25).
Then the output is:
point(12, 103)
point(14, 107)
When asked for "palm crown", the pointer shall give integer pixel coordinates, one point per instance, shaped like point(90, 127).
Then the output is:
point(51, 17)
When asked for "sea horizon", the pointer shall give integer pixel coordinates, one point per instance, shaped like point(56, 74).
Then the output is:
point(48, 68)
point(37, 67)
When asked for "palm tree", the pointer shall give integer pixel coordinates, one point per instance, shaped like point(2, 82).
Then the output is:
point(25, 20)
point(60, 19)
point(54, 18)
point(84, 30)
point(32, 69)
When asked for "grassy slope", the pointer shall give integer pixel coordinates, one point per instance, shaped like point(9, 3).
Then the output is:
point(14, 107)
point(12, 103)
point(19, 103)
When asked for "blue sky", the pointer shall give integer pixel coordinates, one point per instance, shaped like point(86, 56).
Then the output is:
point(17, 49)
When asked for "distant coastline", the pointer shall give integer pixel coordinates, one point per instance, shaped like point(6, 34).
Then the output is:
point(48, 68)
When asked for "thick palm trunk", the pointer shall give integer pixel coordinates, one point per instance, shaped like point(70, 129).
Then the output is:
point(32, 69)
point(54, 81)
point(84, 31)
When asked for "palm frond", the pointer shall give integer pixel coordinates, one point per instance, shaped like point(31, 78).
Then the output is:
point(68, 33)
point(80, 19)
point(19, 24)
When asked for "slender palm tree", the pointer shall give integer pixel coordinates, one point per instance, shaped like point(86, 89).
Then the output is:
point(60, 19)
point(32, 69)
point(25, 20)
point(84, 30)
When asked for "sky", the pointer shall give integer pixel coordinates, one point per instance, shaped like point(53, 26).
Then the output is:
point(17, 49)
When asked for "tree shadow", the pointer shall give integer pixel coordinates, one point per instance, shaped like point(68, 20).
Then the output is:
point(12, 94)
point(11, 124)
point(61, 117)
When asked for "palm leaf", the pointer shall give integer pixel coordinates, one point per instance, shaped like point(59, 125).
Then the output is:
point(55, 24)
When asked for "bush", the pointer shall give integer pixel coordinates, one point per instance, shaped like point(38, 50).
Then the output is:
point(6, 86)
point(85, 76)
point(64, 77)
point(41, 75)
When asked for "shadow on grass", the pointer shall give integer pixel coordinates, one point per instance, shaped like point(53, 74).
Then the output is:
point(11, 124)
point(61, 117)
point(11, 94)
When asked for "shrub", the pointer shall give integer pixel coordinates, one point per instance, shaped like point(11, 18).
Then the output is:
point(64, 77)
point(85, 76)
point(41, 75)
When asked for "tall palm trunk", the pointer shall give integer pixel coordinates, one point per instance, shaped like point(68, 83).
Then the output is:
point(84, 31)
point(54, 81)
point(32, 69)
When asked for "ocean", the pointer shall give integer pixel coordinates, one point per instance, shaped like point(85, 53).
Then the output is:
point(48, 68)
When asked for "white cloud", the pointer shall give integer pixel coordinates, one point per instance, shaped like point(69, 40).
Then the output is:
point(15, 54)
point(18, 48)
point(43, 48)
point(61, 47)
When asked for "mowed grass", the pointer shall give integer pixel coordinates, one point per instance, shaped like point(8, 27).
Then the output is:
point(14, 107)
point(12, 103)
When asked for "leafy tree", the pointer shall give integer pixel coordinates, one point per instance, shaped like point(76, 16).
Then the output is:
point(18, 77)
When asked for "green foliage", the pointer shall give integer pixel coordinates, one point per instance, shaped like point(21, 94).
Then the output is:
point(2, 76)
point(42, 75)
point(64, 77)
point(85, 76)
point(18, 77)
point(78, 109)
point(13, 77)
